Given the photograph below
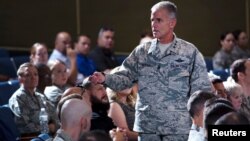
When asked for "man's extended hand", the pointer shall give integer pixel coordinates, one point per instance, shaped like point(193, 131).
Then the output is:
point(97, 77)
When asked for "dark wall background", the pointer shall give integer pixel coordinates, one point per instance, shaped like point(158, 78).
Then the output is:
point(201, 22)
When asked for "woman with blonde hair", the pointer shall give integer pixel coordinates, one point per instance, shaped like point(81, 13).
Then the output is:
point(59, 78)
point(234, 93)
point(122, 109)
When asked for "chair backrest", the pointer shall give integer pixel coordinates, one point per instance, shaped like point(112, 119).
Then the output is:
point(224, 74)
point(19, 60)
point(7, 67)
point(121, 58)
point(42, 137)
point(8, 128)
point(209, 63)
point(7, 89)
point(4, 53)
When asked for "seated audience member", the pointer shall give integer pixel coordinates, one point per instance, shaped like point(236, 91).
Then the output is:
point(63, 51)
point(59, 78)
point(122, 109)
point(214, 108)
point(100, 106)
point(103, 55)
point(79, 89)
point(234, 94)
point(39, 54)
point(44, 75)
point(74, 114)
point(219, 87)
point(85, 65)
point(195, 108)
point(241, 49)
point(146, 37)
point(223, 58)
point(26, 102)
point(211, 77)
point(232, 118)
point(240, 72)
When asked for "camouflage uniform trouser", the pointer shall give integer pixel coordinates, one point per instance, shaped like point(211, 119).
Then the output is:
point(155, 137)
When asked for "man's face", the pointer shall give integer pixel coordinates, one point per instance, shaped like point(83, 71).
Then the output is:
point(98, 93)
point(83, 45)
point(63, 42)
point(220, 90)
point(30, 78)
point(106, 39)
point(162, 25)
point(243, 39)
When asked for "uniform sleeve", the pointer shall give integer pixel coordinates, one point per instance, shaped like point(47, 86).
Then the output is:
point(127, 74)
point(199, 77)
point(217, 61)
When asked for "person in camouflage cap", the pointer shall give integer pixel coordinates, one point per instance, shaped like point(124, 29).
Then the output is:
point(167, 69)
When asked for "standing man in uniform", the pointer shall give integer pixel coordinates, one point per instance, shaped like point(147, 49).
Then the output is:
point(167, 69)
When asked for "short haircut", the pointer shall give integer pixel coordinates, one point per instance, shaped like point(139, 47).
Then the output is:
point(34, 46)
point(236, 67)
point(170, 7)
point(86, 83)
point(63, 100)
point(196, 102)
point(216, 80)
point(53, 63)
point(21, 69)
point(104, 29)
point(232, 118)
point(82, 35)
point(214, 109)
point(215, 100)
point(231, 88)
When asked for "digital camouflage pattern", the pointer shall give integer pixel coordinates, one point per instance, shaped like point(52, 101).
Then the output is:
point(239, 53)
point(165, 83)
point(27, 108)
point(245, 106)
point(154, 137)
point(222, 60)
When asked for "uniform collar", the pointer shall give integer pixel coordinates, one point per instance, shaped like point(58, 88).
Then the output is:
point(154, 48)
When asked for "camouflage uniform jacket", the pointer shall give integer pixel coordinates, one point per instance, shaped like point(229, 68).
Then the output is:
point(222, 60)
point(62, 136)
point(239, 53)
point(26, 108)
point(245, 106)
point(165, 82)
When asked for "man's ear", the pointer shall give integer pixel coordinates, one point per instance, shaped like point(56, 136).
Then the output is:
point(84, 124)
point(172, 23)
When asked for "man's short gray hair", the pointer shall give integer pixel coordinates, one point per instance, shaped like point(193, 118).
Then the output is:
point(170, 7)
point(21, 69)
